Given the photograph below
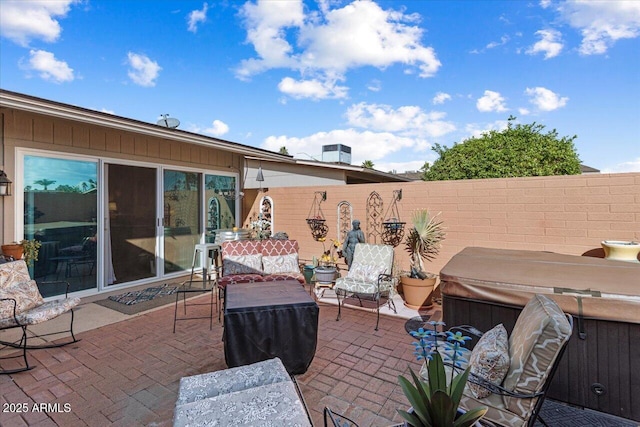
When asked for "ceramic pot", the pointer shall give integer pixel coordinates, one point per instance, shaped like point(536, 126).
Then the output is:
point(418, 293)
point(620, 250)
point(325, 274)
point(13, 250)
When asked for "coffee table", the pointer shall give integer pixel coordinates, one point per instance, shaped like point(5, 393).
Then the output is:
point(264, 320)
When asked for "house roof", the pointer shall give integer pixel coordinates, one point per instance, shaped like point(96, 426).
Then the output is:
point(8, 99)
point(59, 110)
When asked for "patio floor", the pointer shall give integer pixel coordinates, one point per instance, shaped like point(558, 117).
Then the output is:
point(127, 373)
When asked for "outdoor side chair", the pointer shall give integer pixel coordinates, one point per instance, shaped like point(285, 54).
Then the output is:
point(369, 277)
point(536, 345)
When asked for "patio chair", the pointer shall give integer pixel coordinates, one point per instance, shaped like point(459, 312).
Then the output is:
point(535, 348)
point(369, 277)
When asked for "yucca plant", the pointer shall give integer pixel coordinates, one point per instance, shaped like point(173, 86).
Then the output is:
point(423, 239)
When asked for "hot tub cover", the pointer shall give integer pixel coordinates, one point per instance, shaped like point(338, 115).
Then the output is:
point(592, 287)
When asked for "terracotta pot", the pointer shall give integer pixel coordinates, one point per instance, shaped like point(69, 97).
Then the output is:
point(13, 250)
point(418, 293)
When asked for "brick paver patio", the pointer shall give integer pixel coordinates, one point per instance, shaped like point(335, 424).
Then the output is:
point(127, 373)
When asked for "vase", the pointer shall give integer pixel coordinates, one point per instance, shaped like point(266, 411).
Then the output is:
point(13, 250)
point(418, 293)
point(325, 274)
point(620, 250)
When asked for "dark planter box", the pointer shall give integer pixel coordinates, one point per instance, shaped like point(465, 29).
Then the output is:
point(601, 367)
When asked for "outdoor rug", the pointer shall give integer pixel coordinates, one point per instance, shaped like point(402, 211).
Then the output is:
point(142, 300)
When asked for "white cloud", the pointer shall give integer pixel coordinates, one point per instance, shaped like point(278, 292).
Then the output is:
point(375, 85)
point(313, 89)
point(544, 99)
point(477, 130)
point(329, 42)
point(400, 167)
point(550, 43)
point(602, 23)
point(22, 21)
point(364, 145)
point(491, 101)
point(196, 17)
point(545, 3)
point(440, 98)
point(49, 67)
point(502, 42)
point(143, 70)
point(524, 111)
point(218, 128)
point(630, 166)
point(406, 121)
point(106, 110)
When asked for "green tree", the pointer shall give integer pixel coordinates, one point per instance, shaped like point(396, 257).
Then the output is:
point(44, 182)
point(367, 164)
point(519, 150)
point(283, 150)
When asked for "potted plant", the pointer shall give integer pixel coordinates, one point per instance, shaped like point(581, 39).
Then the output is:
point(325, 266)
point(435, 398)
point(422, 243)
point(28, 248)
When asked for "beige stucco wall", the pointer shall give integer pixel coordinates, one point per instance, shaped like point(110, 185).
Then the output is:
point(565, 214)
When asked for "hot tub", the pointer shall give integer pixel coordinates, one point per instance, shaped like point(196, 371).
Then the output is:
point(601, 367)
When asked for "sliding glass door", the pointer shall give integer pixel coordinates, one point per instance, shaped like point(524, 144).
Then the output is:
point(61, 211)
point(182, 218)
point(131, 219)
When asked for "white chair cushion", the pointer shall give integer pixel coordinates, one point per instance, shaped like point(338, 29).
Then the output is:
point(280, 264)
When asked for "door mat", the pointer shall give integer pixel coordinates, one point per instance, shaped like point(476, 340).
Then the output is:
point(142, 300)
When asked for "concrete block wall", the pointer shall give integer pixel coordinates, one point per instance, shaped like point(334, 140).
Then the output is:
point(564, 214)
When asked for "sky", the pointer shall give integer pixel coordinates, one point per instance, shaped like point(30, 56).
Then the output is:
point(388, 78)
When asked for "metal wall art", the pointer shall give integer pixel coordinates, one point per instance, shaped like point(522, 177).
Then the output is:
point(392, 227)
point(316, 220)
point(374, 217)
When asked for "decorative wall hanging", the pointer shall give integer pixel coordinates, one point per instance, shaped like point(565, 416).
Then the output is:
point(345, 213)
point(316, 219)
point(374, 217)
point(392, 227)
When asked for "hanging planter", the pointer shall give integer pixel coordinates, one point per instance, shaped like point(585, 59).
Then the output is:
point(392, 227)
point(316, 220)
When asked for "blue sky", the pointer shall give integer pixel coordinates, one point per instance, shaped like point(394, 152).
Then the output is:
point(388, 78)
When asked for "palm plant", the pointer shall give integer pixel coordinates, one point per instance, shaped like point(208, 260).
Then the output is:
point(423, 239)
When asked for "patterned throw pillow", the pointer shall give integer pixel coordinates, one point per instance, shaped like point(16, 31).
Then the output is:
point(490, 359)
point(281, 264)
point(365, 273)
point(26, 295)
point(242, 264)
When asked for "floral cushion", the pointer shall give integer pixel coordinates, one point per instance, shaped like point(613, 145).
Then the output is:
point(242, 264)
point(41, 313)
point(25, 294)
point(281, 264)
point(489, 360)
point(366, 273)
point(12, 272)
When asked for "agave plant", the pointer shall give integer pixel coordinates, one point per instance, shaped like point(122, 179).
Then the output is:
point(435, 401)
point(424, 238)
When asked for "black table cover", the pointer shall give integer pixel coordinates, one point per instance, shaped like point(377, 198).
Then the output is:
point(267, 320)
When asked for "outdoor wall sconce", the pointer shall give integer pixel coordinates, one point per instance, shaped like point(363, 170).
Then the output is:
point(5, 184)
point(260, 178)
point(316, 220)
point(393, 228)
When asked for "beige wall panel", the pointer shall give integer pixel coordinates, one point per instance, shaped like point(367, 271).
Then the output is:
point(165, 149)
point(175, 151)
point(140, 145)
point(153, 148)
point(19, 126)
point(81, 136)
point(112, 141)
point(43, 129)
point(62, 133)
point(127, 143)
point(97, 139)
point(185, 153)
